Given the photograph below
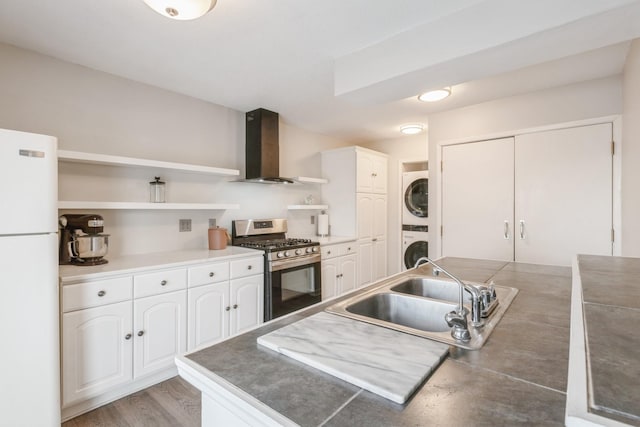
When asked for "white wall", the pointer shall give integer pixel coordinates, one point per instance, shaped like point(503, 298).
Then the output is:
point(596, 98)
point(97, 112)
point(403, 149)
point(631, 154)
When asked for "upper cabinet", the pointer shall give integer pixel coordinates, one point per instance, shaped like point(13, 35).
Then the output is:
point(371, 172)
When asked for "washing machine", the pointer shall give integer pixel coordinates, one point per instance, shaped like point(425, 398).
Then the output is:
point(415, 195)
point(415, 244)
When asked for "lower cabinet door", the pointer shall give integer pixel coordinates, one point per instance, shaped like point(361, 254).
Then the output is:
point(96, 350)
point(348, 269)
point(247, 305)
point(379, 265)
point(160, 331)
point(330, 278)
point(208, 315)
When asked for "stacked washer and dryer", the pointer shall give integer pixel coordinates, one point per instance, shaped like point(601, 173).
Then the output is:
point(415, 217)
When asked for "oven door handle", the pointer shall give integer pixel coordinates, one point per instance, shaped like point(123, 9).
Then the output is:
point(284, 264)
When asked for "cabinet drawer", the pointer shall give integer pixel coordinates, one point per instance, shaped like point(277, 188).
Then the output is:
point(208, 273)
point(341, 249)
point(247, 267)
point(159, 282)
point(94, 294)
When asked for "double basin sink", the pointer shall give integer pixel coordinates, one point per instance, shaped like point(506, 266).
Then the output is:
point(417, 304)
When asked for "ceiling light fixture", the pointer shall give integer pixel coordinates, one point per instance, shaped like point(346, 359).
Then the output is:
point(182, 10)
point(435, 95)
point(411, 129)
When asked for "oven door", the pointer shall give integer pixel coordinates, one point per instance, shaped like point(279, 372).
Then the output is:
point(292, 286)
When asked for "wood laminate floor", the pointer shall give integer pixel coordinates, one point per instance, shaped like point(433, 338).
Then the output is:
point(172, 403)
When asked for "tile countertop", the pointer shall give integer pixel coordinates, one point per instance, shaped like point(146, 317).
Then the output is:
point(135, 263)
point(604, 342)
point(519, 376)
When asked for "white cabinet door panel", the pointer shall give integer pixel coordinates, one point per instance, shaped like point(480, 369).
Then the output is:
point(208, 312)
point(563, 194)
point(329, 278)
point(247, 305)
point(96, 350)
point(160, 326)
point(477, 199)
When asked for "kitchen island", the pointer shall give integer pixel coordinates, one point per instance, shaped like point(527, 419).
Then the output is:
point(519, 376)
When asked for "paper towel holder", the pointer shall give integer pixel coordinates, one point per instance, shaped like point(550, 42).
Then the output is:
point(323, 224)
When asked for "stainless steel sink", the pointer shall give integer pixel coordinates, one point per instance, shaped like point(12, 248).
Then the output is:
point(446, 290)
point(417, 313)
point(417, 304)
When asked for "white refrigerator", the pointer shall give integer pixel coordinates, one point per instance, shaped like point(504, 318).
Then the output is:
point(29, 319)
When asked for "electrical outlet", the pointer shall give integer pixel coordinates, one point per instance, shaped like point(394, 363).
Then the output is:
point(212, 223)
point(185, 225)
point(313, 219)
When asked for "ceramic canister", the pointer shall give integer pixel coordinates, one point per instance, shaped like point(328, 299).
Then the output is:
point(218, 238)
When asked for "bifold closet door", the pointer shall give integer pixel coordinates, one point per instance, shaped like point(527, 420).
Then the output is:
point(563, 194)
point(477, 199)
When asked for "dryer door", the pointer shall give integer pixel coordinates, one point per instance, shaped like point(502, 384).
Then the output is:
point(416, 197)
point(415, 250)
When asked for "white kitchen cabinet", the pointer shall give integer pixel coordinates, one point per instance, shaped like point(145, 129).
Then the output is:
point(247, 303)
point(208, 315)
point(160, 331)
point(96, 350)
point(356, 194)
point(371, 170)
point(121, 333)
point(223, 307)
point(339, 269)
point(537, 198)
point(372, 242)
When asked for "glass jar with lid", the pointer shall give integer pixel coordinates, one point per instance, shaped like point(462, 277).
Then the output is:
point(157, 191)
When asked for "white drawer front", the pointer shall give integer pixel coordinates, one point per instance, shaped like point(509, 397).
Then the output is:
point(247, 267)
point(94, 294)
point(340, 249)
point(208, 273)
point(159, 282)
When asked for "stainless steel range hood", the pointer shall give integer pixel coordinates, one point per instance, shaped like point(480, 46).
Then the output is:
point(262, 152)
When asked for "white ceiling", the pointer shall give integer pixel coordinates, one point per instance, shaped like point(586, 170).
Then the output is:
point(349, 68)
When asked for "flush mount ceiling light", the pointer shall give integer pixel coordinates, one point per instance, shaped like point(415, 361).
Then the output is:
point(435, 95)
point(181, 9)
point(411, 129)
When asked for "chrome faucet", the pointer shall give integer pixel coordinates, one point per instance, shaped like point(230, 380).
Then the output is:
point(482, 302)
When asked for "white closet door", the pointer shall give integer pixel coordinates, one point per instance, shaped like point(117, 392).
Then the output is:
point(563, 194)
point(477, 200)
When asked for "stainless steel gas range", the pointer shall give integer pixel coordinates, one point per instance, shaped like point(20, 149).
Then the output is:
point(292, 266)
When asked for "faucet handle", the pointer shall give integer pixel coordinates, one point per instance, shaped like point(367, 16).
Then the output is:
point(492, 290)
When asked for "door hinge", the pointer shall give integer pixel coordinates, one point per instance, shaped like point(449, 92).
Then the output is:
point(441, 227)
point(441, 165)
point(613, 148)
point(613, 235)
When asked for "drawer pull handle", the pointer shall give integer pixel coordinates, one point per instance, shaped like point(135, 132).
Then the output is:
point(140, 333)
point(227, 308)
point(349, 248)
point(211, 274)
point(235, 306)
point(101, 293)
point(163, 283)
point(249, 267)
point(127, 337)
point(328, 252)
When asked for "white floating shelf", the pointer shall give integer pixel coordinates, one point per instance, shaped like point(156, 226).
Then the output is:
point(307, 207)
point(309, 180)
point(144, 206)
point(105, 159)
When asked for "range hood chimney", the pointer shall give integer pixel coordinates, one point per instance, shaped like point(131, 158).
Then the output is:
point(262, 148)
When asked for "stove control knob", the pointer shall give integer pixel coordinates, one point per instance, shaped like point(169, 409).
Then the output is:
point(286, 253)
point(309, 250)
point(315, 249)
point(298, 251)
point(280, 254)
